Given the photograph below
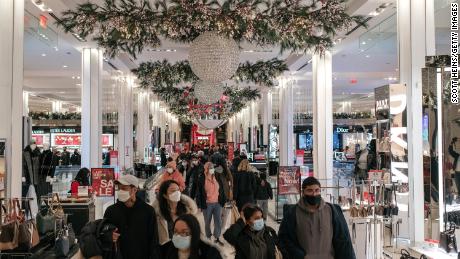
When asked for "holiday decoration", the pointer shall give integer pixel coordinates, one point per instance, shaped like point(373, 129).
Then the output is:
point(214, 58)
point(209, 124)
point(208, 92)
point(131, 25)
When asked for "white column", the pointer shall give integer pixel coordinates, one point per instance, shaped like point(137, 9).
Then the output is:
point(125, 122)
point(25, 103)
point(143, 122)
point(266, 114)
point(91, 113)
point(416, 40)
point(322, 117)
point(11, 84)
point(286, 126)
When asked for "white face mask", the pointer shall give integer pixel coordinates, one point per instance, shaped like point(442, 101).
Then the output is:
point(175, 196)
point(181, 242)
point(195, 162)
point(184, 163)
point(170, 170)
point(211, 171)
point(123, 196)
point(33, 146)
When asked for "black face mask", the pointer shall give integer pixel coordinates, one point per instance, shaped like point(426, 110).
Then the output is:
point(312, 200)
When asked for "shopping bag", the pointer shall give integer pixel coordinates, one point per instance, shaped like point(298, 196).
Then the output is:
point(235, 214)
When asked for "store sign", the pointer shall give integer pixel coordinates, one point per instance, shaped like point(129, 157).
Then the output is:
point(59, 130)
point(399, 146)
point(289, 180)
point(113, 157)
point(102, 180)
point(342, 130)
point(66, 140)
point(381, 105)
point(38, 132)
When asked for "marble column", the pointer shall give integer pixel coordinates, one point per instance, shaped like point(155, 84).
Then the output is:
point(91, 113)
point(266, 111)
point(322, 118)
point(416, 40)
point(125, 122)
point(11, 86)
point(25, 103)
point(143, 123)
point(286, 124)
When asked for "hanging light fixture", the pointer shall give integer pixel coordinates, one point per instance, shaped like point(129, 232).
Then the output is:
point(213, 57)
point(208, 92)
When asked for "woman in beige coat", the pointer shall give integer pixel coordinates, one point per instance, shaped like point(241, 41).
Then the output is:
point(169, 205)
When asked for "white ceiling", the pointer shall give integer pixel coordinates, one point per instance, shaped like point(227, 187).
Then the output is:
point(46, 77)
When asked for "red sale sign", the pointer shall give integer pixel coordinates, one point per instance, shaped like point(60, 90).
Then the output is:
point(102, 180)
point(289, 180)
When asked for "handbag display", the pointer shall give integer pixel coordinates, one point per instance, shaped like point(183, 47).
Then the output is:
point(56, 206)
point(379, 208)
point(45, 221)
point(9, 233)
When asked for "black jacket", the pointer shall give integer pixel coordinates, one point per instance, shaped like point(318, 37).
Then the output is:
point(263, 192)
point(163, 159)
point(207, 251)
point(238, 237)
point(75, 159)
point(244, 184)
point(289, 244)
point(47, 166)
point(193, 175)
point(65, 158)
point(455, 155)
point(31, 165)
point(201, 192)
point(137, 227)
point(235, 163)
point(218, 159)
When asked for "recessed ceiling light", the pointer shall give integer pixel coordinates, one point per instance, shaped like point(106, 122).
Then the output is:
point(364, 43)
point(62, 92)
point(73, 77)
point(65, 66)
point(361, 50)
point(43, 55)
point(78, 84)
point(368, 56)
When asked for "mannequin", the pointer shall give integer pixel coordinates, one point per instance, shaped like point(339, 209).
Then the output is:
point(31, 165)
point(46, 169)
point(365, 161)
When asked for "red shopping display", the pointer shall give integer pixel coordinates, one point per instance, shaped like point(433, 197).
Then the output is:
point(289, 180)
point(102, 180)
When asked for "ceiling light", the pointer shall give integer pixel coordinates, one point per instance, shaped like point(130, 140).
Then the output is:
point(43, 55)
point(368, 56)
point(56, 49)
point(73, 77)
point(78, 77)
point(62, 92)
point(41, 5)
point(364, 43)
point(64, 66)
point(78, 84)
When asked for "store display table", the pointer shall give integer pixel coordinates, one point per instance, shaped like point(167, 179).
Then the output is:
point(79, 213)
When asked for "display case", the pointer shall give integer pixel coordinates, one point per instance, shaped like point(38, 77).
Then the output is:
point(63, 177)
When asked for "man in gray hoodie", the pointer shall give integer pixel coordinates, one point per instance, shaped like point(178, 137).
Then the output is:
point(314, 228)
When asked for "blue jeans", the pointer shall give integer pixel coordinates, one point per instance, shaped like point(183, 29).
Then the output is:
point(213, 210)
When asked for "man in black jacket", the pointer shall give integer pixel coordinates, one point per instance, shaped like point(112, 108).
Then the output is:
point(135, 220)
point(313, 228)
point(196, 169)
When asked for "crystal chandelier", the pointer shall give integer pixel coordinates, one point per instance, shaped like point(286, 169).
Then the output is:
point(213, 57)
point(207, 92)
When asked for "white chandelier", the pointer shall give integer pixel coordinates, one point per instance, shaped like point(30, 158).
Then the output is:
point(213, 57)
point(208, 92)
point(209, 124)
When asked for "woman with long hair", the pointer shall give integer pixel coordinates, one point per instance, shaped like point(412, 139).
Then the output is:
point(251, 237)
point(211, 199)
point(245, 184)
point(187, 243)
point(81, 179)
point(169, 205)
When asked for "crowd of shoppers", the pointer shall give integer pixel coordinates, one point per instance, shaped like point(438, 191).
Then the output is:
point(205, 182)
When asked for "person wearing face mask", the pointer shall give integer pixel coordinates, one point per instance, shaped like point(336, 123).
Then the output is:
point(244, 184)
point(136, 231)
point(314, 228)
point(196, 169)
point(187, 242)
point(169, 205)
point(172, 174)
point(211, 198)
point(250, 236)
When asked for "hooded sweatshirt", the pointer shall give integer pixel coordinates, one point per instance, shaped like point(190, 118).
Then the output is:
point(315, 231)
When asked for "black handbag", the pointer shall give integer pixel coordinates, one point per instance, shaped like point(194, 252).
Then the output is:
point(62, 244)
point(447, 241)
point(406, 255)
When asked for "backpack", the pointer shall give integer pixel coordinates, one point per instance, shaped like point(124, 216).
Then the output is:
point(96, 238)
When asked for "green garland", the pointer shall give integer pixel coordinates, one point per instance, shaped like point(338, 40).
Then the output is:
point(131, 25)
point(163, 74)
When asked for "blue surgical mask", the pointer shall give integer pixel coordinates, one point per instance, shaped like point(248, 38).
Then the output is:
point(258, 225)
point(181, 242)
